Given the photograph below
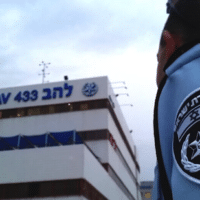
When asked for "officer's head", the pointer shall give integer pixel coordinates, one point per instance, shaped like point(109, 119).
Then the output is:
point(182, 27)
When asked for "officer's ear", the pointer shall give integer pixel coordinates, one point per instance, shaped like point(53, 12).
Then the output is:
point(172, 42)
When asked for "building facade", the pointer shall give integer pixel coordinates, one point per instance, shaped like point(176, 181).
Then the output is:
point(66, 140)
point(146, 188)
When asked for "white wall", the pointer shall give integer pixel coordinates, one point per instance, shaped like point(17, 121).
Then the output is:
point(120, 117)
point(100, 148)
point(41, 164)
point(126, 131)
point(120, 144)
point(121, 171)
point(104, 91)
point(79, 121)
point(57, 163)
point(38, 124)
point(107, 154)
point(75, 96)
point(99, 178)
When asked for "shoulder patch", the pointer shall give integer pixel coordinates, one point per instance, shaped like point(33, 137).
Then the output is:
point(186, 144)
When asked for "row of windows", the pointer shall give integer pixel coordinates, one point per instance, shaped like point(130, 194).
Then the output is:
point(58, 108)
point(51, 188)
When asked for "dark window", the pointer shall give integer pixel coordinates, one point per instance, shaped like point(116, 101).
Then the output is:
point(84, 106)
point(34, 189)
point(20, 112)
point(58, 108)
point(33, 111)
point(46, 189)
point(50, 188)
point(70, 107)
point(9, 113)
point(44, 110)
point(51, 109)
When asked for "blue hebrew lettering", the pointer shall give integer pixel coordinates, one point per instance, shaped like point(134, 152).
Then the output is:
point(48, 94)
point(60, 90)
point(5, 98)
point(69, 88)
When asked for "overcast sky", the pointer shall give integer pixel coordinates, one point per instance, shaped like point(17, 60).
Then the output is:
point(88, 38)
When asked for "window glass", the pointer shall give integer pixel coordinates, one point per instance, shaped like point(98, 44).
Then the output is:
point(33, 111)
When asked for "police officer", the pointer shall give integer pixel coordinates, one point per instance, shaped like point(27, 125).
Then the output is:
point(177, 106)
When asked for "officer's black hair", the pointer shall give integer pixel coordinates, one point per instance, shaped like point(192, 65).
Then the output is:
point(176, 25)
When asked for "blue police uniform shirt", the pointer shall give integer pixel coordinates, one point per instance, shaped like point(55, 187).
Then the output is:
point(179, 127)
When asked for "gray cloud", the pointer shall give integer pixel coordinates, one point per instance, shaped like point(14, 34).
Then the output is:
point(89, 27)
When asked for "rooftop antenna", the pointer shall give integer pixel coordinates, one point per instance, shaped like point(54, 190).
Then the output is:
point(127, 105)
point(120, 87)
point(45, 65)
point(118, 82)
point(121, 94)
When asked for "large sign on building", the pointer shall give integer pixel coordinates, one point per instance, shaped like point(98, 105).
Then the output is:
point(54, 93)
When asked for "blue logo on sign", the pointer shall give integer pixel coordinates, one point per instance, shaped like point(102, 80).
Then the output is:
point(90, 89)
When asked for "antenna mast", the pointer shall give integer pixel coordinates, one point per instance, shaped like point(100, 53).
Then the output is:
point(45, 65)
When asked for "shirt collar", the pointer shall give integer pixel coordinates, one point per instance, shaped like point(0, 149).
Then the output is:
point(178, 54)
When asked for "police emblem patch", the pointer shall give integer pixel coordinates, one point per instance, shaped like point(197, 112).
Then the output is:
point(90, 89)
point(186, 144)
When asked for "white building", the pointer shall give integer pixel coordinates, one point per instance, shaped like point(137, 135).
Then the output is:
point(66, 140)
point(146, 188)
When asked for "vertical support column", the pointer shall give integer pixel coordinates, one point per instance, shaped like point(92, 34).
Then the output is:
point(74, 137)
point(46, 139)
point(18, 142)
